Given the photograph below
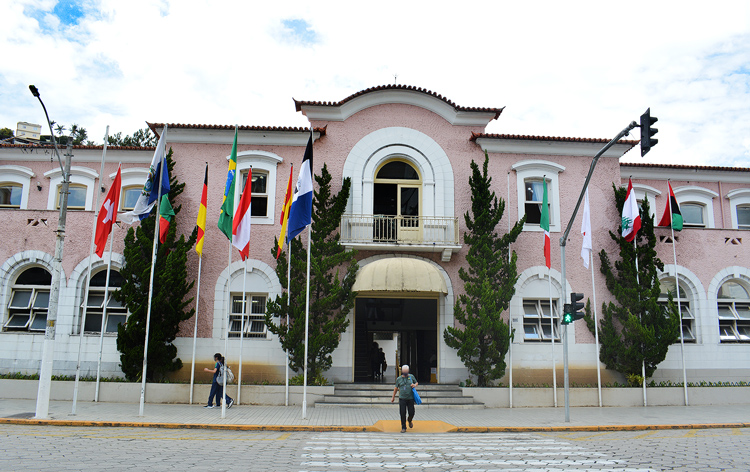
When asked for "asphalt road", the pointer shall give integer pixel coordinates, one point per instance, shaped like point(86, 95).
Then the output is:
point(26, 448)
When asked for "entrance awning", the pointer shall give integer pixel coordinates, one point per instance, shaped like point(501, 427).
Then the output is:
point(400, 274)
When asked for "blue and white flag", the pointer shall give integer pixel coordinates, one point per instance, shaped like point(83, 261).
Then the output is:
point(149, 194)
point(300, 214)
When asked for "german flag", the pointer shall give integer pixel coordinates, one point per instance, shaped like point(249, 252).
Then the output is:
point(285, 213)
point(201, 222)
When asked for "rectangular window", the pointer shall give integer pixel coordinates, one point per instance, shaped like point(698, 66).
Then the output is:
point(693, 215)
point(734, 322)
point(130, 195)
point(27, 310)
point(254, 322)
point(538, 325)
point(743, 217)
point(259, 202)
point(10, 195)
point(116, 313)
point(533, 205)
point(76, 197)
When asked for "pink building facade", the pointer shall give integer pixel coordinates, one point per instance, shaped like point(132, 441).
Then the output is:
point(407, 152)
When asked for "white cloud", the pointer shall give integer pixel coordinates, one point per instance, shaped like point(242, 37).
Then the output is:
point(580, 69)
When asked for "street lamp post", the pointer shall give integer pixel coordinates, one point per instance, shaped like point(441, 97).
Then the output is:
point(48, 350)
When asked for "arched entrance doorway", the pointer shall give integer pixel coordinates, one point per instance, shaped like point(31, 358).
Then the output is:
point(397, 310)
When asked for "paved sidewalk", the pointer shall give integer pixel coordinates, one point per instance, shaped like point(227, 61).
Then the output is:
point(378, 419)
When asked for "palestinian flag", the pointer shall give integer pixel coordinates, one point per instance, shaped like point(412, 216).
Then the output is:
point(672, 215)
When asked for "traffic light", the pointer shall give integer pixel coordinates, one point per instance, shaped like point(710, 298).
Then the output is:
point(573, 311)
point(647, 132)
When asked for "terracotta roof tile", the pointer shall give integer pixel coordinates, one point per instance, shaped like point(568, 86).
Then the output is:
point(80, 146)
point(687, 167)
point(300, 103)
point(290, 129)
point(475, 136)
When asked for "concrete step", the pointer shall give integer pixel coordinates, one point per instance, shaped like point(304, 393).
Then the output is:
point(471, 406)
point(367, 395)
point(389, 386)
point(376, 399)
point(370, 393)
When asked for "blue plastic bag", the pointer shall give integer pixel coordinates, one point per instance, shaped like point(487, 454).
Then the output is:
point(417, 398)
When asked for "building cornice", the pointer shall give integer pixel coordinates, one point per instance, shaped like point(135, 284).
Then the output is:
point(246, 135)
point(547, 146)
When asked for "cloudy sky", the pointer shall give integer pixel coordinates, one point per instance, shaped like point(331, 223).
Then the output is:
point(561, 68)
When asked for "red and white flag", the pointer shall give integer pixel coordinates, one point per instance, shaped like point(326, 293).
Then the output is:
point(631, 216)
point(108, 214)
point(241, 222)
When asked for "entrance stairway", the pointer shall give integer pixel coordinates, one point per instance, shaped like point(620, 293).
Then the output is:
point(359, 395)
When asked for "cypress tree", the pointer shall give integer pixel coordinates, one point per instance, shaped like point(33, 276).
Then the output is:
point(332, 274)
point(483, 338)
point(171, 288)
point(635, 329)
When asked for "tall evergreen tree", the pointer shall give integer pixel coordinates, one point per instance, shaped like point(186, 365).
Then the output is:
point(331, 295)
point(637, 328)
point(171, 288)
point(483, 338)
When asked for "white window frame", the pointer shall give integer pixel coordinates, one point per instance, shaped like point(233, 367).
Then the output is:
point(131, 177)
point(93, 310)
point(535, 169)
point(541, 320)
point(35, 290)
point(257, 171)
point(734, 321)
point(688, 317)
point(738, 197)
point(262, 161)
point(642, 192)
point(700, 195)
point(82, 176)
point(235, 318)
point(687, 224)
point(18, 175)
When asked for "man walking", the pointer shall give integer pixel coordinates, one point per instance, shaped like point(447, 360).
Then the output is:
point(405, 385)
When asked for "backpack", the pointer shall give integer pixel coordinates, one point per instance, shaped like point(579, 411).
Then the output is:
point(225, 369)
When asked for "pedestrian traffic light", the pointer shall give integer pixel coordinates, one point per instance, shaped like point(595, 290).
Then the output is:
point(647, 132)
point(573, 311)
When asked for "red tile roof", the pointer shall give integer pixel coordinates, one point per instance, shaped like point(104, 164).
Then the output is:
point(155, 126)
point(475, 136)
point(298, 104)
point(686, 167)
point(79, 146)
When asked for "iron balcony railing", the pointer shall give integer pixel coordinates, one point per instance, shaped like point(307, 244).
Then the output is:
point(406, 230)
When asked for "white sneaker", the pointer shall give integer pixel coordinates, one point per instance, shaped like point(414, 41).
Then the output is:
point(208, 406)
point(231, 402)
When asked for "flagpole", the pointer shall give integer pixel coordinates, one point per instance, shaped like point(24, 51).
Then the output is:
point(677, 290)
point(307, 321)
point(88, 278)
point(226, 334)
point(104, 315)
point(151, 281)
point(552, 333)
point(288, 285)
point(195, 327)
point(510, 323)
point(638, 281)
point(242, 330)
point(596, 332)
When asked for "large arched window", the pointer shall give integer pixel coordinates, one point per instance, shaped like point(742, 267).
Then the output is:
point(734, 311)
point(688, 318)
point(29, 300)
point(116, 312)
point(397, 202)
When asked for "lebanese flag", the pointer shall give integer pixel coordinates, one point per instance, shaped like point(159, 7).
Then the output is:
point(631, 217)
point(544, 224)
point(108, 214)
point(672, 214)
point(241, 222)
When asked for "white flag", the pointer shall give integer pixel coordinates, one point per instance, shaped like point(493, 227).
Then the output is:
point(586, 247)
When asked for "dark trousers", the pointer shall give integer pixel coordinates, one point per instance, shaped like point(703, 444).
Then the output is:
point(216, 391)
point(403, 405)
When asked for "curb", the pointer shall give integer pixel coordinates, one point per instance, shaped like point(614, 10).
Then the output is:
point(366, 429)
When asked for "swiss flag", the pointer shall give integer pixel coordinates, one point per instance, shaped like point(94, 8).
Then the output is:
point(107, 215)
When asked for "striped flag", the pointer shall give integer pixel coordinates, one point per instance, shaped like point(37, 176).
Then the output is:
point(544, 224)
point(672, 214)
point(201, 221)
point(227, 205)
point(285, 212)
point(166, 213)
point(241, 223)
point(300, 213)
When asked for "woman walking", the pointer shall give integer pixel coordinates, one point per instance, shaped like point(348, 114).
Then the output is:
point(216, 388)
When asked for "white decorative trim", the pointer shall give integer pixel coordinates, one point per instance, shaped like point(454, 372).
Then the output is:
point(18, 175)
point(244, 137)
point(536, 169)
point(643, 191)
point(19, 262)
point(737, 197)
point(132, 173)
point(78, 280)
point(399, 97)
point(549, 148)
point(697, 297)
point(700, 195)
point(78, 175)
point(267, 162)
point(258, 268)
point(728, 273)
point(414, 147)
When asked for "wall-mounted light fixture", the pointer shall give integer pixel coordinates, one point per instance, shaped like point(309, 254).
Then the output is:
point(38, 185)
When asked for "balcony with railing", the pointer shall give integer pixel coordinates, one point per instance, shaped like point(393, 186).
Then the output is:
point(401, 233)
